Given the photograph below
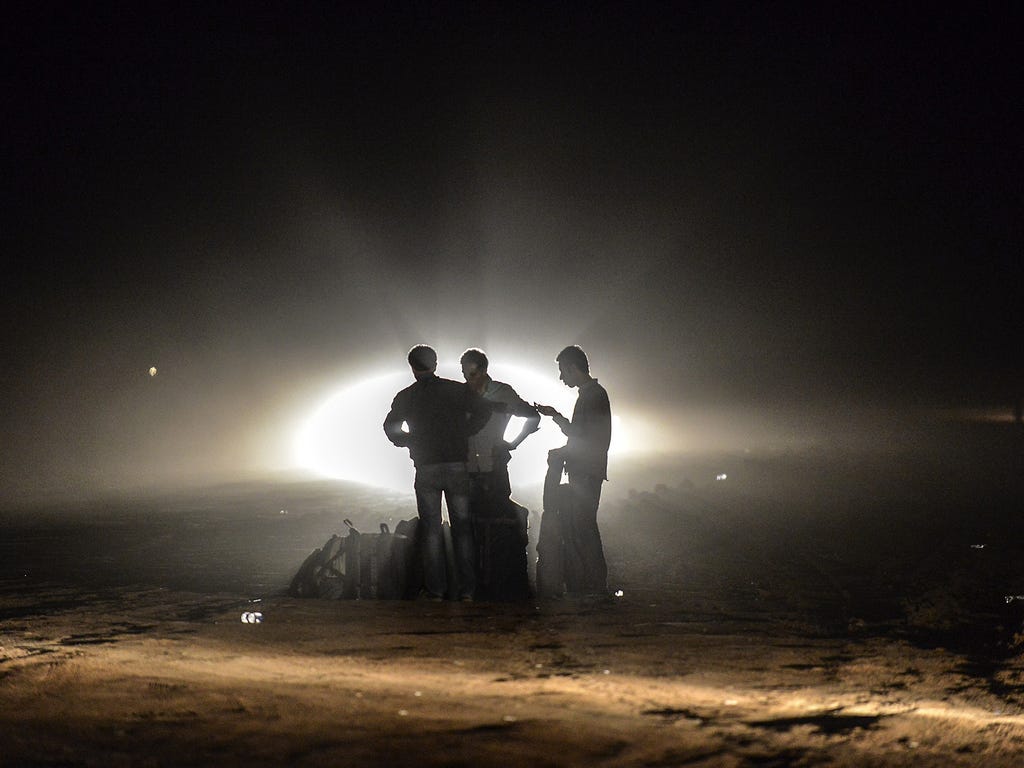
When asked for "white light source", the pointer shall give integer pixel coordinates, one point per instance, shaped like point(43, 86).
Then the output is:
point(343, 437)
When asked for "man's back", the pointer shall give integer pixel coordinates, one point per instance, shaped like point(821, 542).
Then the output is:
point(591, 432)
point(441, 414)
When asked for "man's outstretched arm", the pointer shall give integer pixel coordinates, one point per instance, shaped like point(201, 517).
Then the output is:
point(563, 423)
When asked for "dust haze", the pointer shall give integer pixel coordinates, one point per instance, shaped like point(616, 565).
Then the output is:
point(765, 228)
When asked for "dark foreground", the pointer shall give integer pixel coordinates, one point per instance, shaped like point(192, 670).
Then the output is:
point(803, 611)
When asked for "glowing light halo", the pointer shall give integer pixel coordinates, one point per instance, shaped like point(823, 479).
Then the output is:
point(343, 439)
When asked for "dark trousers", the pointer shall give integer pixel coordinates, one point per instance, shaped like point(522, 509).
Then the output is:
point(585, 569)
point(489, 492)
point(570, 554)
point(453, 481)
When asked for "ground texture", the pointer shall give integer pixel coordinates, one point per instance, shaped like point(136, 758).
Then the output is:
point(795, 613)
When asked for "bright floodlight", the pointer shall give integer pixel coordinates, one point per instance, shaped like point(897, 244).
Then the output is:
point(343, 437)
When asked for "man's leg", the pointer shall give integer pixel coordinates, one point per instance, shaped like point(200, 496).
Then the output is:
point(501, 488)
point(550, 547)
point(586, 569)
point(428, 505)
point(456, 495)
point(479, 494)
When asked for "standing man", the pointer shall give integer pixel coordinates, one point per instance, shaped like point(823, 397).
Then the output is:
point(441, 415)
point(489, 453)
point(585, 455)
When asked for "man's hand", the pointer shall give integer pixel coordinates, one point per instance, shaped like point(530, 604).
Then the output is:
point(546, 410)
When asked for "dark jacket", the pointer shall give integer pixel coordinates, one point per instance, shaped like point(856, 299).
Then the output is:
point(441, 415)
point(589, 433)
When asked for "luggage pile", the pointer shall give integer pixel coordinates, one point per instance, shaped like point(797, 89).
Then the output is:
point(388, 566)
point(380, 566)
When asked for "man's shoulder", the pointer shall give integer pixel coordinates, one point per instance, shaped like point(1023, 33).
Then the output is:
point(402, 393)
point(450, 384)
point(502, 392)
point(593, 392)
point(449, 389)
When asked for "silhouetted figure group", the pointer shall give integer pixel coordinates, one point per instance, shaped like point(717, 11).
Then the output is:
point(455, 434)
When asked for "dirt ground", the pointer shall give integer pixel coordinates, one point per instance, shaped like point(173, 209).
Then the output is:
point(165, 678)
point(846, 623)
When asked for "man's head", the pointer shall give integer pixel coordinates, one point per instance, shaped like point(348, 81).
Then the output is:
point(474, 368)
point(573, 366)
point(422, 360)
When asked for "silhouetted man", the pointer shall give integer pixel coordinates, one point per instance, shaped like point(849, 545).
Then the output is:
point(441, 415)
point(585, 456)
point(489, 453)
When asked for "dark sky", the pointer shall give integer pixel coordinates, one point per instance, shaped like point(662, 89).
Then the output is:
point(766, 205)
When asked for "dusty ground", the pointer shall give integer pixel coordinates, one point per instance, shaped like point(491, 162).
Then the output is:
point(850, 623)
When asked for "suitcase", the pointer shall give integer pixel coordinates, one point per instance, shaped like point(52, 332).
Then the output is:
point(501, 540)
point(384, 560)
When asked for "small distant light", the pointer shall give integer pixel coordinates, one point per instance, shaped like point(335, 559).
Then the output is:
point(252, 617)
point(284, 511)
point(722, 476)
point(619, 593)
point(977, 546)
point(152, 371)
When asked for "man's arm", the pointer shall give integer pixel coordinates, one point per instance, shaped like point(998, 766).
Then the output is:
point(521, 408)
point(594, 424)
point(393, 425)
point(563, 423)
point(531, 425)
point(599, 417)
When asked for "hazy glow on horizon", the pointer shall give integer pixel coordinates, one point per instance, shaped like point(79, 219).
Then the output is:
point(343, 437)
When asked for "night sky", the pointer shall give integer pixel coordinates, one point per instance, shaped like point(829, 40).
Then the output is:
point(761, 207)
